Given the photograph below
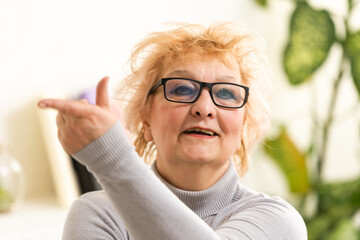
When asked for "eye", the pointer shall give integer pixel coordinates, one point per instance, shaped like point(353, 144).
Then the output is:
point(182, 90)
point(225, 94)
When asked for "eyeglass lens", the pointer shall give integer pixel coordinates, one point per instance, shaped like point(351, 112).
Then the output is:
point(186, 91)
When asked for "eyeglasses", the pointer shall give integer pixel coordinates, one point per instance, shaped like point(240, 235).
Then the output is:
point(184, 90)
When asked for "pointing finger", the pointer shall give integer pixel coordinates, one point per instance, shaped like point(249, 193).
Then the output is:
point(67, 107)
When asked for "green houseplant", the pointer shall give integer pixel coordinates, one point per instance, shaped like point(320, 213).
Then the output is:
point(6, 199)
point(11, 182)
point(312, 34)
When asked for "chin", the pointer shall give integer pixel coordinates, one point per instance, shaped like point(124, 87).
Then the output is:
point(199, 153)
point(199, 157)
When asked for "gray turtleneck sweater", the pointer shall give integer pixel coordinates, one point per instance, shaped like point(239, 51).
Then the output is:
point(138, 204)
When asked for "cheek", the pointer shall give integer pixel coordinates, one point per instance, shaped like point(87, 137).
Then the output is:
point(165, 122)
point(168, 116)
point(233, 125)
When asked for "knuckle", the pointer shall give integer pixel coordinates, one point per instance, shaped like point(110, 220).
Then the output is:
point(92, 119)
point(68, 109)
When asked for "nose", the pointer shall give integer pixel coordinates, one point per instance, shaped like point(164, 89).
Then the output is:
point(204, 106)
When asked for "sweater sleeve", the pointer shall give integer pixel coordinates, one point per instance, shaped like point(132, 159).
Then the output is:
point(93, 216)
point(147, 207)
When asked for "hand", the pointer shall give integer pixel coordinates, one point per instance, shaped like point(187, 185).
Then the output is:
point(79, 122)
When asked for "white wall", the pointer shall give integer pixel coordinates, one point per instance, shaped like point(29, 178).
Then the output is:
point(67, 46)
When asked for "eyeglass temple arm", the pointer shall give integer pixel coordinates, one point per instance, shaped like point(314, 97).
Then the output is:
point(158, 84)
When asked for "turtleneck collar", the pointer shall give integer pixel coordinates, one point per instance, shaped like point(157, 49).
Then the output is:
point(211, 200)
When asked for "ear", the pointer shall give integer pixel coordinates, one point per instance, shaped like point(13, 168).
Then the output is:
point(147, 131)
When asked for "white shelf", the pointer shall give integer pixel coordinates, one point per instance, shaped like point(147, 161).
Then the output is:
point(36, 219)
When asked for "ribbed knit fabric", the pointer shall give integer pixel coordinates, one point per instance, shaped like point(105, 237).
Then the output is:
point(212, 200)
point(111, 146)
point(139, 204)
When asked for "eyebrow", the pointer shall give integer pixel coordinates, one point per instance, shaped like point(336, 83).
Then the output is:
point(187, 74)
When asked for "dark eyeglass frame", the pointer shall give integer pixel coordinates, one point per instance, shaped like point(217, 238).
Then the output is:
point(202, 85)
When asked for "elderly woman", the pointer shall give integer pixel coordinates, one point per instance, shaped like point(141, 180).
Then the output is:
point(197, 104)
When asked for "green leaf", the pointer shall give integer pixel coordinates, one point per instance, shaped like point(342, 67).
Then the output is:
point(312, 34)
point(291, 161)
point(355, 71)
point(338, 202)
point(352, 44)
point(344, 230)
point(352, 48)
point(345, 194)
point(324, 225)
point(262, 3)
point(319, 226)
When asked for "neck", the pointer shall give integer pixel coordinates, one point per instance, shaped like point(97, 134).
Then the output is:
point(191, 176)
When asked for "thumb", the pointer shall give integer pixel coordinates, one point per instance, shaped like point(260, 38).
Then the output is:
point(102, 96)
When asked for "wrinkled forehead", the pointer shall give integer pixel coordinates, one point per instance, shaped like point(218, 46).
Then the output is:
point(223, 68)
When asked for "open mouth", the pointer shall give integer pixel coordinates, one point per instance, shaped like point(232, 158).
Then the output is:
point(200, 131)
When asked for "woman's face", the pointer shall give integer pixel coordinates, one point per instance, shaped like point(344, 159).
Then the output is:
point(169, 124)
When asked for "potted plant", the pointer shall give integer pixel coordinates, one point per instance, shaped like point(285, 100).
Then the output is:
point(312, 34)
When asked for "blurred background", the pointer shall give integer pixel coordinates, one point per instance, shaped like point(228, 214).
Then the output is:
point(312, 154)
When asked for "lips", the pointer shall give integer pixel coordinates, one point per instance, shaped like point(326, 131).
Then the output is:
point(201, 131)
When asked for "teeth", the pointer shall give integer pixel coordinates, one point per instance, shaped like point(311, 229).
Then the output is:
point(209, 132)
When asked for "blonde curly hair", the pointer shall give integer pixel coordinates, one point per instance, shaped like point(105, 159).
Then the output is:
point(227, 42)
